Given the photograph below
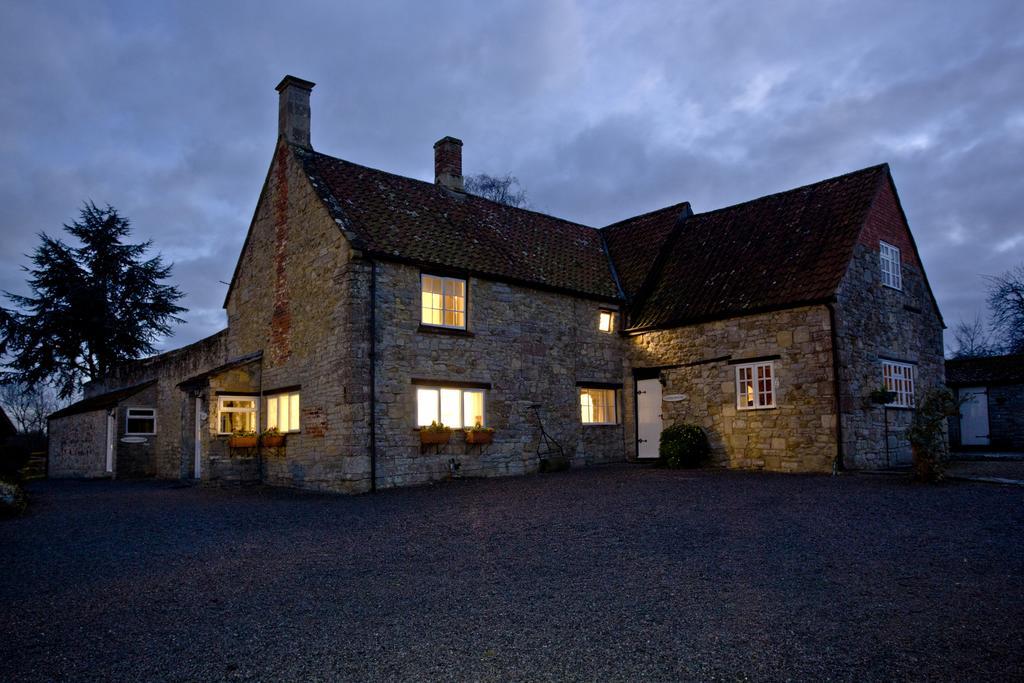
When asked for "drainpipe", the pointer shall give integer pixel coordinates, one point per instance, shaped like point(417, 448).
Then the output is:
point(838, 465)
point(373, 376)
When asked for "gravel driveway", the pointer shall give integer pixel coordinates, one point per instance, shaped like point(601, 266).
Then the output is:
point(601, 574)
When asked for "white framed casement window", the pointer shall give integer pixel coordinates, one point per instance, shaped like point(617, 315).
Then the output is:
point(598, 406)
point(140, 422)
point(606, 321)
point(755, 386)
point(443, 301)
point(236, 414)
point(899, 378)
point(892, 276)
point(283, 411)
point(453, 407)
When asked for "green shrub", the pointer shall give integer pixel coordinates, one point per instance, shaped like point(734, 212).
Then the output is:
point(684, 445)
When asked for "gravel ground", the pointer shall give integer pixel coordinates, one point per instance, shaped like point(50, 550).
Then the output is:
point(601, 574)
point(1005, 469)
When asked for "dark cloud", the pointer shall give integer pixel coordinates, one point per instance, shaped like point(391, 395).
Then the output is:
point(602, 110)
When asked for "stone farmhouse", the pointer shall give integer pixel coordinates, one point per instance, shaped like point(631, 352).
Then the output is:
point(366, 305)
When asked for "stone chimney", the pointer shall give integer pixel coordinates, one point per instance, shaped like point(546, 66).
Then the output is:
point(448, 163)
point(293, 111)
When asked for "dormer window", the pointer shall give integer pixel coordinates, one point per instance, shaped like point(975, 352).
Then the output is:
point(606, 321)
point(443, 301)
point(890, 260)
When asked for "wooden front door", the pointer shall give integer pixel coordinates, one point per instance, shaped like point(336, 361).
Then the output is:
point(648, 418)
point(974, 417)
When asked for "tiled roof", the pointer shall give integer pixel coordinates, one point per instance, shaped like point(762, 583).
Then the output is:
point(102, 401)
point(781, 250)
point(634, 244)
point(963, 372)
point(400, 218)
point(673, 267)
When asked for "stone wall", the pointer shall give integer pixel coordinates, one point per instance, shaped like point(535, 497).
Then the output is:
point(135, 460)
point(530, 347)
point(797, 436)
point(876, 322)
point(77, 445)
point(301, 299)
point(1006, 416)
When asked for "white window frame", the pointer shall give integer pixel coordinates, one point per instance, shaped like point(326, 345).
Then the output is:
point(462, 403)
point(889, 261)
point(611, 320)
point(279, 396)
point(221, 409)
point(443, 309)
point(899, 377)
point(128, 415)
point(741, 381)
point(614, 406)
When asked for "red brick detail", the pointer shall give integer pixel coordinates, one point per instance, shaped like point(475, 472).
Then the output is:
point(314, 421)
point(281, 320)
point(885, 223)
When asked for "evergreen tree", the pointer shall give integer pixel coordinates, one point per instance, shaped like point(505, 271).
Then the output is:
point(91, 306)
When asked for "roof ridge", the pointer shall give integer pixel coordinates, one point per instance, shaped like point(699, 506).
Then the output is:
point(678, 205)
point(771, 195)
point(433, 185)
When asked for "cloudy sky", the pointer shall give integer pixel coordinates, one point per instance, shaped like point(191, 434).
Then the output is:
point(603, 110)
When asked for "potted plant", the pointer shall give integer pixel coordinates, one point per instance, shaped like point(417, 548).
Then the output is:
point(882, 396)
point(478, 434)
point(272, 438)
point(927, 432)
point(435, 434)
point(243, 439)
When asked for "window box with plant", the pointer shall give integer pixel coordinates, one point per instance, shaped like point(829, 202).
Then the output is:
point(243, 439)
point(272, 438)
point(435, 434)
point(479, 435)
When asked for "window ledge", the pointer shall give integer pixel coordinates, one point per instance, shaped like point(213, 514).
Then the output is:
point(602, 424)
point(452, 331)
point(750, 408)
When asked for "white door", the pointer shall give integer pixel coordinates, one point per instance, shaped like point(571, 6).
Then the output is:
point(974, 417)
point(648, 418)
point(196, 466)
point(111, 440)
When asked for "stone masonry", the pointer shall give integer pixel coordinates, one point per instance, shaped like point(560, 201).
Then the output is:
point(798, 435)
point(875, 322)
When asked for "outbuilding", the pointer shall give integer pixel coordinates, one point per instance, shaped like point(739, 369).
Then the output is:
point(992, 417)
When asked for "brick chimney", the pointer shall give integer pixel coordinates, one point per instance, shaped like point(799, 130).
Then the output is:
point(293, 110)
point(448, 163)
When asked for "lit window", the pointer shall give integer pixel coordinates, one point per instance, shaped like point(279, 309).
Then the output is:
point(454, 408)
point(606, 321)
point(899, 378)
point(890, 259)
point(443, 301)
point(597, 406)
point(755, 386)
point(283, 412)
point(140, 421)
point(236, 414)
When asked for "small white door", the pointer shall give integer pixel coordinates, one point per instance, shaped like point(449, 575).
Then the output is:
point(648, 418)
point(197, 466)
point(974, 417)
point(111, 440)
